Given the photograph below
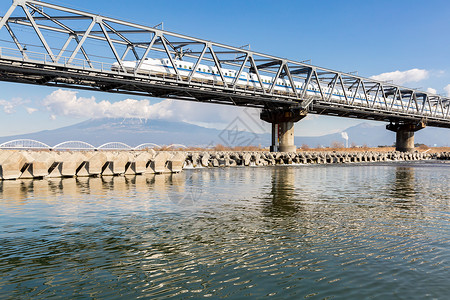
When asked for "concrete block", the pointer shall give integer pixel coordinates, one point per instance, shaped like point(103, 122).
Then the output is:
point(96, 163)
point(176, 162)
point(159, 163)
point(107, 169)
point(204, 159)
point(42, 163)
point(247, 159)
point(4, 154)
point(55, 170)
point(214, 162)
point(13, 166)
point(72, 164)
point(140, 163)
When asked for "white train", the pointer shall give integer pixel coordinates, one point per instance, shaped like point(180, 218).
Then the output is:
point(210, 74)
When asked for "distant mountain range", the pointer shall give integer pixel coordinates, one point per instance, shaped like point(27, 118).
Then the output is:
point(134, 132)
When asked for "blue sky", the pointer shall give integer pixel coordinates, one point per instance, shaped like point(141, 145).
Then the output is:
point(371, 37)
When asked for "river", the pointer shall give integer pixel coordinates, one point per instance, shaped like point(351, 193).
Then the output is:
point(355, 231)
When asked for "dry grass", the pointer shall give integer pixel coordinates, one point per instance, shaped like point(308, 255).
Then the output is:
point(350, 149)
point(436, 149)
point(217, 147)
point(421, 148)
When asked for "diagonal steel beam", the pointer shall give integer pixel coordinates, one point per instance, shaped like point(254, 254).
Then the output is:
point(447, 114)
point(16, 41)
point(38, 32)
point(144, 56)
point(307, 81)
point(400, 95)
point(365, 93)
point(343, 89)
point(394, 98)
point(218, 65)
point(333, 85)
point(172, 62)
point(111, 45)
point(241, 69)
point(252, 62)
point(126, 52)
point(274, 82)
point(356, 91)
point(119, 34)
point(83, 39)
point(194, 68)
point(383, 93)
point(435, 105)
point(416, 103)
point(291, 80)
point(375, 98)
point(62, 25)
point(410, 101)
point(8, 14)
point(63, 49)
point(174, 65)
point(441, 105)
point(318, 84)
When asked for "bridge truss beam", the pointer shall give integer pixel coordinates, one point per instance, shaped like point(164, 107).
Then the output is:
point(67, 44)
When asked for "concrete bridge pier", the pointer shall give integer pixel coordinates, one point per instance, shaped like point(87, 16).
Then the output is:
point(405, 134)
point(283, 126)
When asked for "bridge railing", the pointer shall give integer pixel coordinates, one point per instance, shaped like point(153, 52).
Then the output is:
point(83, 64)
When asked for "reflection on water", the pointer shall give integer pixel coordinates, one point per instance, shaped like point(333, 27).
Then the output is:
point(354, 231)
point(282, 194)
point(23, 189)
point(404, 185)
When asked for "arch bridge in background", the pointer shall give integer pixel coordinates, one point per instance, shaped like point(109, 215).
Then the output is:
point(28, 144)
point(73, 145)
point(24, 144)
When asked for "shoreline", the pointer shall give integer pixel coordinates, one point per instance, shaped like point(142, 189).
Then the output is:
point(22, 164)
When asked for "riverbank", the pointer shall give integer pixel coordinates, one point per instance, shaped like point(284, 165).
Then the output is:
point(18, 164)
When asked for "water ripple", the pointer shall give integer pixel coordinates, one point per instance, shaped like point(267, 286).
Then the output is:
point(319, 232)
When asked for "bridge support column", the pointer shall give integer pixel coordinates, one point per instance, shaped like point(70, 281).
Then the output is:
point(283, 127)
point(405, 134)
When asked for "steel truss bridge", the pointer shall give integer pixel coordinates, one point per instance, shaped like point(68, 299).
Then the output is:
point(46, 44)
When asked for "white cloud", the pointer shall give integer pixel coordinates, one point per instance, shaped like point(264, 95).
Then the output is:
point(400, 77)
point(31, 110)
point(9, 107)
point(67, 103)
point(447, 89)
point(431, 91)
